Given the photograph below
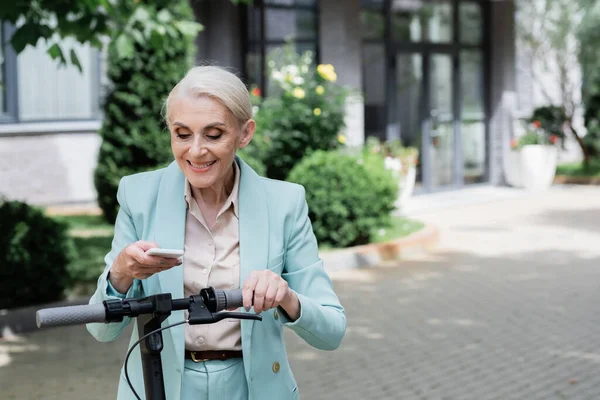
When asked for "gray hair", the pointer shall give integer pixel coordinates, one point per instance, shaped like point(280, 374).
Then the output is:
point(217, 83)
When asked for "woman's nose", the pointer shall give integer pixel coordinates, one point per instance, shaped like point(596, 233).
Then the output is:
point(198, 148)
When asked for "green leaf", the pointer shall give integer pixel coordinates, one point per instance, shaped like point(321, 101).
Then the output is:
point(26, 34)
point(156, 39)
point(75, 60)
point(124, 47)
point(140, 14)
point(56, 52)
point(164, 16)
point(137, 36)
point(188, 28)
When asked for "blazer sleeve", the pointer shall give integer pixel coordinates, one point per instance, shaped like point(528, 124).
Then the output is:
point(125, 234)
point(322, 321)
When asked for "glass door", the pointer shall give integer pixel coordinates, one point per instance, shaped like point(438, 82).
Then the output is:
point(423, 114)
point(439, 122)
point(409, 98)
point(431, 87)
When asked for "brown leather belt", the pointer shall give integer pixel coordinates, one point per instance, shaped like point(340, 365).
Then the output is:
point(201, 356)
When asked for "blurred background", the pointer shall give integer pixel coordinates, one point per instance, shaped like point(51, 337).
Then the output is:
point(450, 150)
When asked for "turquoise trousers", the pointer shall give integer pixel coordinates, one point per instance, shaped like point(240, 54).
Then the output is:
point(214, 380)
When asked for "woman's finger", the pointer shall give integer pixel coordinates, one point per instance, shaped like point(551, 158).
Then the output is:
point(248, 290)
point(271, 293)
point(281, 292)
point(145, 245)
point(259, 293)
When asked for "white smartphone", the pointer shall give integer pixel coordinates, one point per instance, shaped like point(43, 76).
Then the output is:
point(166, 253)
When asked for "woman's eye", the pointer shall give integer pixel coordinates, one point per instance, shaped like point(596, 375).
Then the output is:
point(183, 135)
point(214, 137)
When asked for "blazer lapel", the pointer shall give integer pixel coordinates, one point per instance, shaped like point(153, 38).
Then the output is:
point(254, 238)
point(169, 233)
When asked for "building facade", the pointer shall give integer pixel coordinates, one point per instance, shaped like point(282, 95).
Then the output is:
point(436, 74)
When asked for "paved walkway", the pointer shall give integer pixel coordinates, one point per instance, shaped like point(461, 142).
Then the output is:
point(507, 308)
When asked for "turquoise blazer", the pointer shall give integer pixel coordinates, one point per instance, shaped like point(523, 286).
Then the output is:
point(275, 233)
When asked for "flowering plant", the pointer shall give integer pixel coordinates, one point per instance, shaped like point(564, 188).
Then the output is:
point(534, 135)
point(304, 110)
point(398, 157)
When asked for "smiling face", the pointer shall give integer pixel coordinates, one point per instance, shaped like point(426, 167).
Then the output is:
point(204, 138)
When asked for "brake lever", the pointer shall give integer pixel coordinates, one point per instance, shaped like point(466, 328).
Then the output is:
point(237, 315)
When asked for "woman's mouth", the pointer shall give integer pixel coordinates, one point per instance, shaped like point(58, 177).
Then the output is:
point(201, 167)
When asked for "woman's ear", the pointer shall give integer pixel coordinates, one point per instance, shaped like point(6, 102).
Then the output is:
point(247, 133)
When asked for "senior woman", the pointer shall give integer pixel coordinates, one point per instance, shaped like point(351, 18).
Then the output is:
point(238, 230)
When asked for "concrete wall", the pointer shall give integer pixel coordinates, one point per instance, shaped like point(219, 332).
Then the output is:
point(49, 169)
point(220, 43)
point(503, 100)
point(340, 45)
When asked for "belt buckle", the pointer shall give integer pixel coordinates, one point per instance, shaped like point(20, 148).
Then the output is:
point(197, 360)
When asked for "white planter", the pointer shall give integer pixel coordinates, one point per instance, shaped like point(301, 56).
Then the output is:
point(406, 179)
point(407, 185)
point(532, 168)
point(512, 169)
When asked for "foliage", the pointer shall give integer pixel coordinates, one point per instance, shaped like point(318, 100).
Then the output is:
point(256, 151)
point(90, 261)
point(90, 21)
point(592, 139)
point(544, 127)
point(547, 33)
point(551, 120)
point(92, 238)
point(589, 37)
point(349, 197)
point(400, 227)
point(84, 20)
point(304, 112)
point(580, 169)
point(254, 162)
point(406, 156)
point(34, 252)
point(143, 70)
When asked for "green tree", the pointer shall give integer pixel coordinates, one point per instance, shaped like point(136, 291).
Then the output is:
point(546, 31)
point(153, 52)
point(86, 21)
point(589, 56)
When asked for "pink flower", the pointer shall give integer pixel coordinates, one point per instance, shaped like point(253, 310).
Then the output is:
point(537, 124)
point(553, 139)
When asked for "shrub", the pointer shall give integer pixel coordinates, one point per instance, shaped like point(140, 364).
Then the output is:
point(591, 140)
point(35, 251)
point(589, 58)
point(143, 70)
point(550, 119)
point(534, 134)
point(256, 151)
point(348, 196)
point(304, 111)
point(254, 162)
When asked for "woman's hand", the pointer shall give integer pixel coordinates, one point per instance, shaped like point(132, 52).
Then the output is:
point(133, 262)
point(266, 289)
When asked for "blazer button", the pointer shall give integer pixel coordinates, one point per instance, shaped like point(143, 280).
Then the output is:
point(275, 315)
point(276, 367)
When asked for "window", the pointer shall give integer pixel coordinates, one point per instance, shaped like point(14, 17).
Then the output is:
point(60, 92)
point(36, 88)
point(470, 23)
point(2, 73)
point(270, 24)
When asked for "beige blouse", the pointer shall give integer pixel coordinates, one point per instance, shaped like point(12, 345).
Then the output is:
point(212, 258)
